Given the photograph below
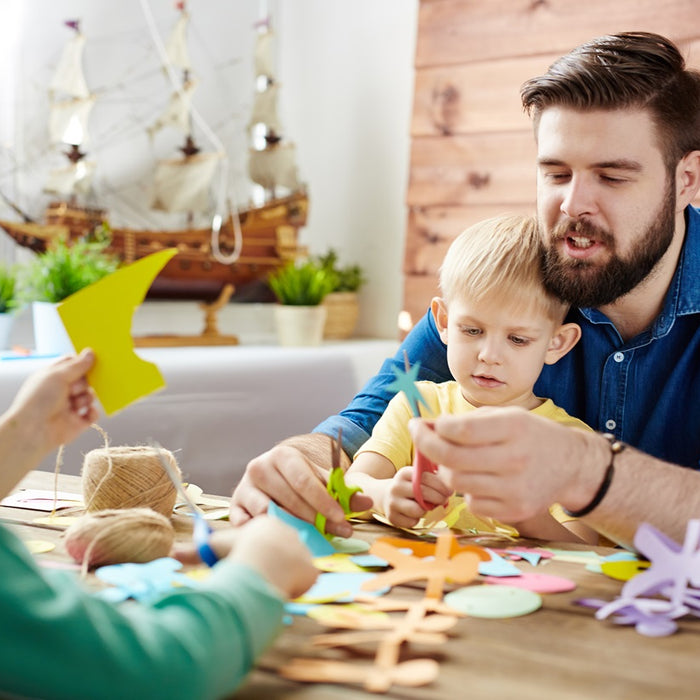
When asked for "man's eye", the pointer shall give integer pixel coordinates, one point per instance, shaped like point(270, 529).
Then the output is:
point(557, 177)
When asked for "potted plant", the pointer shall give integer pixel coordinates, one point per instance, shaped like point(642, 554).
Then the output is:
point(300, 288)
point(54, 275)
point(342, 304)
point(8, 302)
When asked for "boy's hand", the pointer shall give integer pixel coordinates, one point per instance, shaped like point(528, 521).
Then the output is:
point(400, 506)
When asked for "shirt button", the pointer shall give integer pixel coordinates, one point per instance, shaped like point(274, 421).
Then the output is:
point(619, 356)
point(610, 424)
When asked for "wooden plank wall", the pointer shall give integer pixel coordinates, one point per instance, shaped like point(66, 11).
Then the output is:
point(472, 149)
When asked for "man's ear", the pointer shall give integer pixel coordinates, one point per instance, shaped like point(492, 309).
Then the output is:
point(687, 179)
point(567, 335)
point(438, 308)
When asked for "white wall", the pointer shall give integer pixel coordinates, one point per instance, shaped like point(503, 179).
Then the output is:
point(346, 70)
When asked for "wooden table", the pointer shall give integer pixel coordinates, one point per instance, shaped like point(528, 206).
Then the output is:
point(560, 651)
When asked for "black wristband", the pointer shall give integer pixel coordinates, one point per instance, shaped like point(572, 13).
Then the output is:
point(616, 446)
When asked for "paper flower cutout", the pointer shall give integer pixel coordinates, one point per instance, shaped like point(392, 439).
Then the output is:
point(672, 577)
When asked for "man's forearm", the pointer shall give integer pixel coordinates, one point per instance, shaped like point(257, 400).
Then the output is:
point(646, 489)
point(318, 449)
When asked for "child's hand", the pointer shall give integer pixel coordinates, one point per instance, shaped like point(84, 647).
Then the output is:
point(56, 404)
point(400, 506)
point(265, 544)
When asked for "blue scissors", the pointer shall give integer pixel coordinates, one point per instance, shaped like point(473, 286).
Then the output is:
point(202, 530)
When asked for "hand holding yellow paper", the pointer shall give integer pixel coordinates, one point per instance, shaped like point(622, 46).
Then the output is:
point(100, 316)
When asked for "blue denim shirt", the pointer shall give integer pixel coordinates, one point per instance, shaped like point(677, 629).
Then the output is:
point(646, 390)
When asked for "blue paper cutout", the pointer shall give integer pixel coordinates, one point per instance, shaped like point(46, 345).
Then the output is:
point(498, 566)
point(370, 561)
point(317, 544)
point(532, 558)
point(142, 582)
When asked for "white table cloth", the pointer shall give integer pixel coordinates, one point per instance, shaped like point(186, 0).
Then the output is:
point(224, 405)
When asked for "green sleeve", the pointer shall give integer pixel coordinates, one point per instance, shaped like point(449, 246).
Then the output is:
point(58, 641)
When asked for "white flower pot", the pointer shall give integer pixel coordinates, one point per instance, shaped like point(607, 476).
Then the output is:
point(50, 336)
point(6, 322)
point(299, 325)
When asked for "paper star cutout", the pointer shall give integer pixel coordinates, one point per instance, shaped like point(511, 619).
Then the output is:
point(406, 381)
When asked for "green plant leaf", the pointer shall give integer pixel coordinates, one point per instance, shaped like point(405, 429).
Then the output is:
point(65, 269)
point(301, 284)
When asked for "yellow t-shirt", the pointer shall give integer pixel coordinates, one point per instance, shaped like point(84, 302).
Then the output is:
point(392, 439)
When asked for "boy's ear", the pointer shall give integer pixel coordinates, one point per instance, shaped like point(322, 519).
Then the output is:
point(438, 308)
point(562, 341)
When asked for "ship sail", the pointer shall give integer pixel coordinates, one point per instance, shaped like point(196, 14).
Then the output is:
point(271, 163)
point(70, 106)
point(182, 184)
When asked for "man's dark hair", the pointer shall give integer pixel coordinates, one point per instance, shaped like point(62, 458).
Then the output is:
point(628, 70)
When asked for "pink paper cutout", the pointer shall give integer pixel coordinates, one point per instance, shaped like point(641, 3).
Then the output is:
point(539, 583)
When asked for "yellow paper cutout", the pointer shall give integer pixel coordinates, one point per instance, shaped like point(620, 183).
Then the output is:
point(39, 546)
point(57, 520)
point(623, 570)
point(100, 316)
point(337, 563)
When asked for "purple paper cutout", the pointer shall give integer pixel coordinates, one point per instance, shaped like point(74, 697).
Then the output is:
point(671, 577)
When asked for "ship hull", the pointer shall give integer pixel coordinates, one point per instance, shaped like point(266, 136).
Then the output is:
point(269, 240)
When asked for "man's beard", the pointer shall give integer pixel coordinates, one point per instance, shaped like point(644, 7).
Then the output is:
point(585, 284)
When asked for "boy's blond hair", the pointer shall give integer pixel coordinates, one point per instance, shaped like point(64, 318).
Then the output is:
point(499, 256)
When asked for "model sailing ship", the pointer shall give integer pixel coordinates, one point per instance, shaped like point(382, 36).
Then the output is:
point(237, 248)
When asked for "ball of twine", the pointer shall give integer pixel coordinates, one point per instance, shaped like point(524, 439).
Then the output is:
point(128, 477)
point(120, 535)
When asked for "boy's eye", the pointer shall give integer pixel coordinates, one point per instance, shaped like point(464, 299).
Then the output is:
point(519, 340)
point(470, 331)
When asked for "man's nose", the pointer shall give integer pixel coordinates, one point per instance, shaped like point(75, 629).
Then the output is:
point(578, 199)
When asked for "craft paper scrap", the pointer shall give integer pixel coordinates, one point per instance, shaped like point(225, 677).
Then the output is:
point(498, 566)
point(57, 520)
point(623, 570)
point(39, 499)
point(100, 317)
point(494, 601)
point(539, 583)
point(337, 563)
point(332, 588)
point(39, 546)
point(351, 615)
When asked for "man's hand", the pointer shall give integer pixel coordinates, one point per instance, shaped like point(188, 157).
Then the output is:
point(513, 464)
point(290, 475)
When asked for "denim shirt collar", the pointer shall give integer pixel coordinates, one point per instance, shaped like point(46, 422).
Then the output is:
point(683, 296)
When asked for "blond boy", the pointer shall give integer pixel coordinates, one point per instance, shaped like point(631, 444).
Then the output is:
point(500, 326)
